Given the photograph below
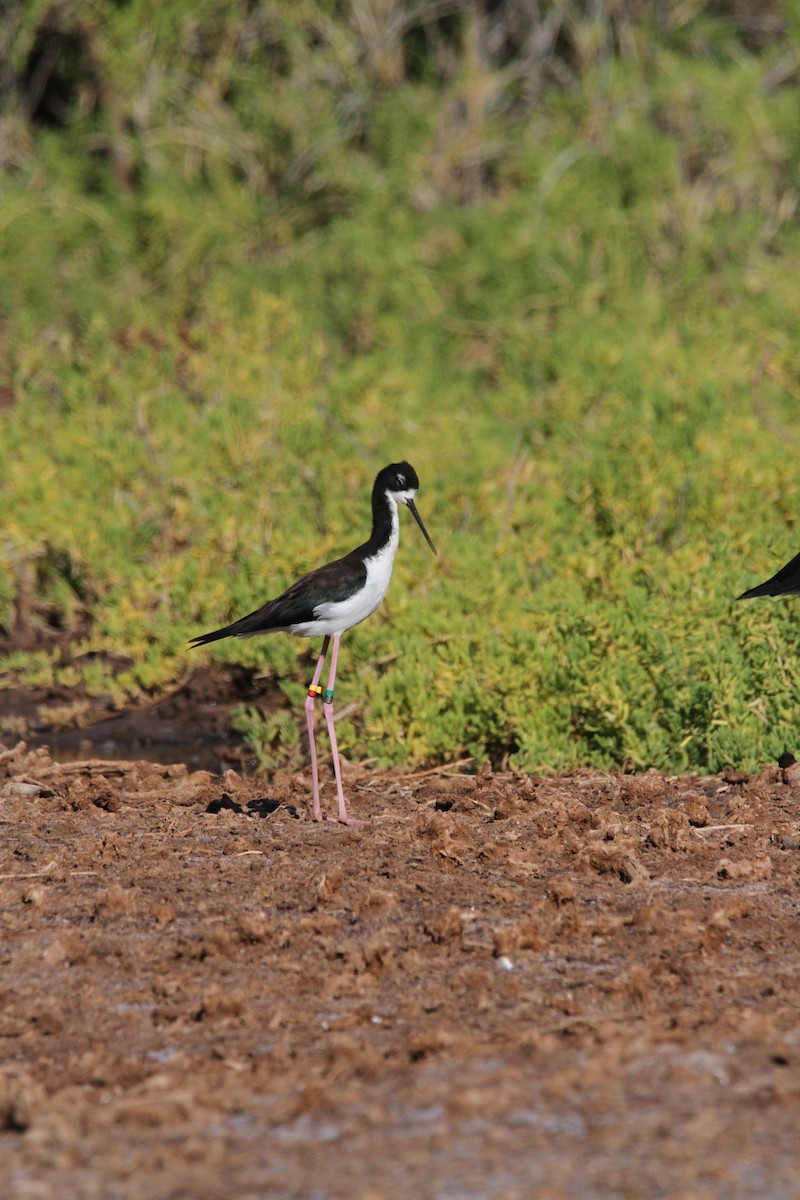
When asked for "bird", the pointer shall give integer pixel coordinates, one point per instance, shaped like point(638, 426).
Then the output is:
point(785, 583)
point(333, 599)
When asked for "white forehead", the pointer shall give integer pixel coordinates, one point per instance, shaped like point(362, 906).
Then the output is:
point(401, 495)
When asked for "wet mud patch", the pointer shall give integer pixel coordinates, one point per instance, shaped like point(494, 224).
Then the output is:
point(191, 724)
point(499, 987)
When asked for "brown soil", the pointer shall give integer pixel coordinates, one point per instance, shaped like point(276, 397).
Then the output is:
point(499, 987)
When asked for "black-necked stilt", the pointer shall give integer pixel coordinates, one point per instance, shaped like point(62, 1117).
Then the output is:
point(785, 583)
point(333, 599)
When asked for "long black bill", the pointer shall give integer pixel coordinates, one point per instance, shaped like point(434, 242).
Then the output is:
point(418, 519)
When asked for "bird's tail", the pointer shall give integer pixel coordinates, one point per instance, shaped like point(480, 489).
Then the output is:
point(763, 589)
point(785, 583)
point(204, 638)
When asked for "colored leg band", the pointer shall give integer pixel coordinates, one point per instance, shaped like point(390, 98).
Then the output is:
point(328, 695)
point(314, 690)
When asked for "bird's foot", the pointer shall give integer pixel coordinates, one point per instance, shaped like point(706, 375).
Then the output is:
point(342, 819)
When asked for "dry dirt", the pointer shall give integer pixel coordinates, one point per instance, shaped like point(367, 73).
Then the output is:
point(499, 987)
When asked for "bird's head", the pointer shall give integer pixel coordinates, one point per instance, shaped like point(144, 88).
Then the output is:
point(400, 482)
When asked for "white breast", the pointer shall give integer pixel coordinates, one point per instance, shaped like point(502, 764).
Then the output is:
point(338, 616)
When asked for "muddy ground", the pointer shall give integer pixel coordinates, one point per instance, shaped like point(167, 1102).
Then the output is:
point(498, 987)
point(193, 723)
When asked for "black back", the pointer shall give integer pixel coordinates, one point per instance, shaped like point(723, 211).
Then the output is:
point(335, 581)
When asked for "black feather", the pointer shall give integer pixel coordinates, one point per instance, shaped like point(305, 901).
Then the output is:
point(785, 583)
point(335, 581)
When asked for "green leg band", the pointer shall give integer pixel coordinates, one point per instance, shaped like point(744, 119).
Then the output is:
point(328, 697)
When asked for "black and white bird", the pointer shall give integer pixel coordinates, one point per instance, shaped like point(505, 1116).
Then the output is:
point(329, 601)
point(785, 583)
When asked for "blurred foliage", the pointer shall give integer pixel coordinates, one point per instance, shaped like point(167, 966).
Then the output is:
point(546, 251)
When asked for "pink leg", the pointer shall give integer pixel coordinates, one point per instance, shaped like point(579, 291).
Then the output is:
point(313, 691)
point(328, 710)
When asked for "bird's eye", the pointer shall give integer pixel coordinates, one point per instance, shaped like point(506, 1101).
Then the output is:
point(401, 483)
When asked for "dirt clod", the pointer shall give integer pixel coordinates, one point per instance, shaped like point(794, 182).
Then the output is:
point(573, 987)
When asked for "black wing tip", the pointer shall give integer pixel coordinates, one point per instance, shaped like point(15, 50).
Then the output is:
point(203, 639)
point(761, 589)
point(770, 588)
point(785, 582)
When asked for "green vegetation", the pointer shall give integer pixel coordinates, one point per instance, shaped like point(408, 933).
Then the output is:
point(246, 260)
